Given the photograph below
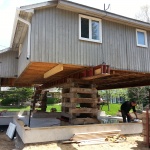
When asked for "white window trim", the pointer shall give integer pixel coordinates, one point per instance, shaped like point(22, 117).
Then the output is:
point(145, 36)
point(90, 29)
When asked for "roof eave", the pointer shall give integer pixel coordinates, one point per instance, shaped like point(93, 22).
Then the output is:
point(75, 7)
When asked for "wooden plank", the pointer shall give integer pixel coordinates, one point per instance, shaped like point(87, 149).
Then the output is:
point(84, 121)
point(84, 100)
point(101, 132)
point(67, 115)
point(80, 81)
point(83, 90)
point(95, 77)
point(71, 105)
point(91, 143)
point(83, 110)
point(54, 70)
point(69, 95)
point(68, 85)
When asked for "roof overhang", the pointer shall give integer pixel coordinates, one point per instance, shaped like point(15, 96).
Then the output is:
point(75, 7)
point(26, 13)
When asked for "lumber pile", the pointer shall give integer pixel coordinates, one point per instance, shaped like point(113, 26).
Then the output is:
point(146, 127)
point(96, 138)
point(79, 102)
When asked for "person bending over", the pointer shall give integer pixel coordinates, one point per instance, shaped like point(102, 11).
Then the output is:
point(125, 109)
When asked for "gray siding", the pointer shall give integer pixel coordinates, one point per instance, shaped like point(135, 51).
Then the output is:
point(55, 39)
point(23, 62)
point(8, 64)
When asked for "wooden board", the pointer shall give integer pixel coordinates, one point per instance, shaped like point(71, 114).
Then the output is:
point(54, 70)
point(83, 110)
point(83, 90)
point(84, 100)
point(70, 95)
point(71, 105)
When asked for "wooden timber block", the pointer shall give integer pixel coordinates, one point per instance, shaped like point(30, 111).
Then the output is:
point(71, 105)
point(83, 90)
point(84, 121)
point(84, 100)
point(83, 110)
point(70, 80)
point(70, 95)
point(67, 115)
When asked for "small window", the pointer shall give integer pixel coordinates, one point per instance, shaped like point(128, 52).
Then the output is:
point(141, 38)
point(90, 29)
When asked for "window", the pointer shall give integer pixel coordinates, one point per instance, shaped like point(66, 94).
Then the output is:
point(141, 38)
point(90, 29)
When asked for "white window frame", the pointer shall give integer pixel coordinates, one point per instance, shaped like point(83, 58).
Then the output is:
point(145, 36)
point(90, 28)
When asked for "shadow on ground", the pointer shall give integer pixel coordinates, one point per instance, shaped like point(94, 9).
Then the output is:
point(66, 146)
point(141, 146)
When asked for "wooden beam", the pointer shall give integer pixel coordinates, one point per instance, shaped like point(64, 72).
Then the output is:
point(54, 70)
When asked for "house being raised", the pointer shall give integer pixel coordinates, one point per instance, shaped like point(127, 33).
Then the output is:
point(58, 39)
point(82, 49)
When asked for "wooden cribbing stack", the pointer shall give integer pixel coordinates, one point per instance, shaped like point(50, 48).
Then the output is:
point(79, 102)
point(146, 127)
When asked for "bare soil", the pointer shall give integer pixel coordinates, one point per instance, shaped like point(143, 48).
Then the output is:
point(5, 142)
point(133, 142)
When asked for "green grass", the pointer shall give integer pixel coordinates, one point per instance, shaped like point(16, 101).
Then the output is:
point(113, 109)
point(11, 108)
point(49, 106)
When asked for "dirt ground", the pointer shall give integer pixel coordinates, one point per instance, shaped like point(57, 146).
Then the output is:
point(134, 142)
point(5, 142)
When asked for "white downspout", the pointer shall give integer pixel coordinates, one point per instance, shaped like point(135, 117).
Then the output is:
point(29, 36)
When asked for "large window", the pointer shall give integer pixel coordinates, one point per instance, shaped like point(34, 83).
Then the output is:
point(90, 29)
point(141, 38)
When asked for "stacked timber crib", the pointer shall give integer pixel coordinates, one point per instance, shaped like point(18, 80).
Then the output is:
point(146, 127)
point(79, 102)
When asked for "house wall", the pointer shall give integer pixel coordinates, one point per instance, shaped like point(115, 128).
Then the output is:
point(55, 39)
point(8, 64)
point(23, 61)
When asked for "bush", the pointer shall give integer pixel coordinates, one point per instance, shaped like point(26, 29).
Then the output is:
point(51, 100)
point(8, 101)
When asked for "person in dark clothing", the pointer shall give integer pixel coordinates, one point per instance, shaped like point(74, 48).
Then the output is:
point(125, 108)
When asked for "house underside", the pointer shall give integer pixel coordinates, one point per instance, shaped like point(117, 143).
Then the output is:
point(57, 74)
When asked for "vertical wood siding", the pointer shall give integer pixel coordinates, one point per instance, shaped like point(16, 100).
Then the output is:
point(55, 39)
point(9, 64)
point(22, 61)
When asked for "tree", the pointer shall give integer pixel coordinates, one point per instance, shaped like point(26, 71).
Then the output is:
point(115, 93)
point(139, 94)
point(16, 95)
point(144, 14)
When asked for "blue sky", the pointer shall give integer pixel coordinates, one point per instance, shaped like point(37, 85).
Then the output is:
point(8, 7)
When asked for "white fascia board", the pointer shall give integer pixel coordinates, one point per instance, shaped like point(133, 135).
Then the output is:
point(40, 5)
point(14, 26)
point(30, 9)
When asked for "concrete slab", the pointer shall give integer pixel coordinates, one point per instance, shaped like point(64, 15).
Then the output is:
point(5, 120)
point(40, 122)
point(57, 133)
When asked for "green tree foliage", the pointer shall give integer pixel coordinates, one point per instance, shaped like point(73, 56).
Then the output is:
point(15, 95)
point(139, 94)
point(114, 93)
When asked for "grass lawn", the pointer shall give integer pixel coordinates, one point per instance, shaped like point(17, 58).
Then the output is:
point(11, 108)
point(113, 108)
